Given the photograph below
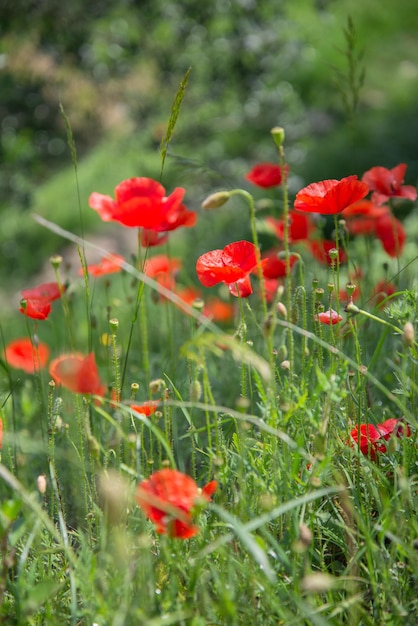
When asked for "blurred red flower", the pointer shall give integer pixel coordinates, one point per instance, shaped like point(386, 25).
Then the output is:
point(392, 235)
point(151, 238)
point(25, 355)
point(163, 270)
point(106, 265)
point(232, 265)
point(372, 438)
point(328, 317)
point(385, 184)
point(329, 197)
point(77, 373)
point(142, 203)
point(266, 175)
point(320, 249)
point(146, 408)
point(214, 308)
point(168, 498)
point(367, 218)
point(36, 302)
point(300, 226)
point(382, 290)
point(272, 266)
point(361, 217)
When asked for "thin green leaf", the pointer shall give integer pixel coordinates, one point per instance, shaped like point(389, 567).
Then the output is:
point(175, 109)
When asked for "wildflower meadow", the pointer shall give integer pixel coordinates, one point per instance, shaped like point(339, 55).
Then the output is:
point(227, 441)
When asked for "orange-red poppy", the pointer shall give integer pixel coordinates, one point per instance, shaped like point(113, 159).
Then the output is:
point(300, 226)
point(329, 197)
point(106, 265)
point(232, 265)
point(36, 302)
point(273, 266)
point(372, 438)
point(26, 355)
point(142, 203)
point(168, 498)
point(386, 183)
point(266, 175)
point(146, 408)
point(77, 373)
point(320, 249)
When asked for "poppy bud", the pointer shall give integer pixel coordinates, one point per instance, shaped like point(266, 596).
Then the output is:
point(278, 135)
point(216, 200)
point(41, 483)
point(195, 391)
point(408, 335)
point(281, 309)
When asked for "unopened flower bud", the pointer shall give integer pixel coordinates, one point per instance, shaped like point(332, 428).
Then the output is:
point(285, 365)
point(216, 200)
point(408, 335)
point(305, 535)
point(195, 391)
point(41, 483)
point(281, 309)
point(333, 254)
point(278, 135)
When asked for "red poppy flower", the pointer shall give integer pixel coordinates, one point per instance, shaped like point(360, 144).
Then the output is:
point(300, 226)
point(77, 373)
point(271, 286)
point(382, 290)
point(320, 249)
point(329, 197)
point(232, 265)
point(151, 238)
point(328, 317)
point(387, 184)
point(214, 308)
point(392, 235)
point(218, 310)
point(142, 203)
point(47, 291)
point(37, 301)
point(272, 266)
point(106, 265)
point(361, 217)
point(163, 269)
point(168, 498)
point(265, 175)
point(38, 309)
point(393, 425)
point(146, 408)
point(25, 355)
point(372, 438)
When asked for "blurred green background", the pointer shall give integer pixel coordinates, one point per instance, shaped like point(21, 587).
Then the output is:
point(346, 96)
